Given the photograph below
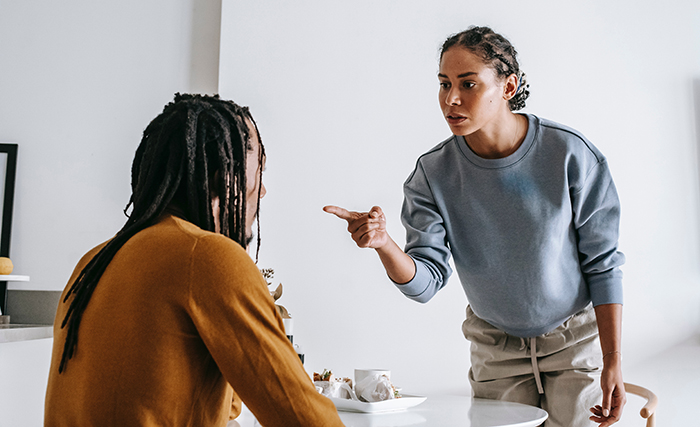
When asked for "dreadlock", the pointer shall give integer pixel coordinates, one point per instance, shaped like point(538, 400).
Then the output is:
point(195, 148)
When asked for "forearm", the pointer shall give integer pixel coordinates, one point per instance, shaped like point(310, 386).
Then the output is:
point(399, 266)
point(609, 318)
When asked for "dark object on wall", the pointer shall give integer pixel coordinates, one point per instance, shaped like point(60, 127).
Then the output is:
point(7, 204)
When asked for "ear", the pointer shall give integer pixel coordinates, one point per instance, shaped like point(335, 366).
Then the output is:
point(510, 87)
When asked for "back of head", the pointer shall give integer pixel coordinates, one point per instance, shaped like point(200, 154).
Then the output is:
point(192, 152)
point(195, 149)
point(497, 52)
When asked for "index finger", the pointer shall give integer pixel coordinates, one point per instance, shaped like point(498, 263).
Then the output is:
point(339, 212)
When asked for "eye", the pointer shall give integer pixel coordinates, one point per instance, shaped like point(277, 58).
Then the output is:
point(444, 85)
point(468, 85)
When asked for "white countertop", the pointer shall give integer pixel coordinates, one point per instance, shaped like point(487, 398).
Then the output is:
point(16, 281)
point(13, 278)
point(14, 332)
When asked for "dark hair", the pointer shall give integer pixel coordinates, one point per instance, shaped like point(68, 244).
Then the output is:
point(195, 148)
point(497, 51)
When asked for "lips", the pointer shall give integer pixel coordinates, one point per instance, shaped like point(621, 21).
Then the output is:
point(454, 119)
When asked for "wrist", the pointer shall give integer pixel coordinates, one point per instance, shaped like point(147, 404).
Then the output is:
point(388, 248)
point(612, 358)
point(398, 265)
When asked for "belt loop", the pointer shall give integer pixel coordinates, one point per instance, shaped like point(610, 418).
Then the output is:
point(535, 368)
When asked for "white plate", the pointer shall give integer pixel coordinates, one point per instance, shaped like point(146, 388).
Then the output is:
point(404, 402)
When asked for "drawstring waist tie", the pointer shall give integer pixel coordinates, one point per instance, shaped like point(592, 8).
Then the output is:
point(533, 360)
point(535, 368)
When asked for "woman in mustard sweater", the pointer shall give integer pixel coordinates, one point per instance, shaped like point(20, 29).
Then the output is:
point(170, 322)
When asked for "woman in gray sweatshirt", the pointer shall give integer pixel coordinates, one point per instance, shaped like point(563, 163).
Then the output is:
point(529, 212)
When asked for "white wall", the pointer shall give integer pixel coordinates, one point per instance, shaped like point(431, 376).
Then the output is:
point(79, 82)
point(345, 94)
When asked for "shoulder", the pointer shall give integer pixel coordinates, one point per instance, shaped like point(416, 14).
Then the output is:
point(218, 266)
point(177, 238)
point(91, 254)
point(435, 157)
point(444, 148)
point(581, 159)
point(221, 270)
point(82, 263)
point(563, 137)
point(217, 248)
point(219, 258)
point(213, 247)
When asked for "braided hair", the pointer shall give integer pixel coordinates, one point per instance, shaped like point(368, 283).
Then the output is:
point(497, 51)
point(196, 148)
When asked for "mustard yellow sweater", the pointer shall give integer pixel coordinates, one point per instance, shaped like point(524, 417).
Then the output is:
point(180, 319)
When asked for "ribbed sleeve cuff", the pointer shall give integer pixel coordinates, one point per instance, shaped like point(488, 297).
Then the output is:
point(608, 291)
point(418, 288)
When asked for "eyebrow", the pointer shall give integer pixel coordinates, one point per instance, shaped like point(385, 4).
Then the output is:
point(470, 73)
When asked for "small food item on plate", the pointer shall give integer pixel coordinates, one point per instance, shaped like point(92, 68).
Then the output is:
point(372, 388)
point(325, 376)
point(330, 386)
point(328, 376)
point(397, 392)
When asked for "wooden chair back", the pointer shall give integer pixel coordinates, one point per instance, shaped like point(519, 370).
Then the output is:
point(649, 409)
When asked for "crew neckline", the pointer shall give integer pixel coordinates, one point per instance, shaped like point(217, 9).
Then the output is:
point(503, 162)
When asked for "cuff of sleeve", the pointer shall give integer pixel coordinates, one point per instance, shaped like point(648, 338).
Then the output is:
point(606, 292)
point(417, 288)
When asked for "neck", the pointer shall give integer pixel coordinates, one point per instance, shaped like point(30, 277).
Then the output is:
point(175, 210)
point(500, 139)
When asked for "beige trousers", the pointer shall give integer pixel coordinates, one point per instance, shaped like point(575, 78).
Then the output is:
point(558, 371)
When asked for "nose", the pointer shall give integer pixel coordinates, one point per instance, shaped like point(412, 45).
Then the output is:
point(453, 97)
point(263, 190)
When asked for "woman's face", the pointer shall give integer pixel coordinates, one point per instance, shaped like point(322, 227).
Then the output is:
point(253, 181)
point(471, 94)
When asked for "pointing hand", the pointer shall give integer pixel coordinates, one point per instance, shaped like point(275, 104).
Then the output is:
point(368, 229)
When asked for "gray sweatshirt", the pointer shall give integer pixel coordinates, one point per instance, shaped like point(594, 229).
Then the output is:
point(533, 235)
